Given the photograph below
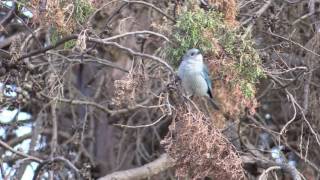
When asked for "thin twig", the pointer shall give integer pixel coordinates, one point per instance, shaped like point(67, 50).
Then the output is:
point(293, 42)
point(264, 175)
point(43, 50)
point(134, 53)
point(6, 146)
point(152, 6)
point(141, 126)
point(136, 33)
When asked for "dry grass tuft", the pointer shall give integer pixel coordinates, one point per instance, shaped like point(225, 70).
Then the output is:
point(124, 90)
point(200, 149)
point(131, 88)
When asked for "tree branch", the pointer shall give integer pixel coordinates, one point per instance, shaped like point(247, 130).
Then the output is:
point(6, 20)
point(161, 164)
point(6, 146)
point(152, 6)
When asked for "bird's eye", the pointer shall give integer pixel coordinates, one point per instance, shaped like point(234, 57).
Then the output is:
point(192, 54)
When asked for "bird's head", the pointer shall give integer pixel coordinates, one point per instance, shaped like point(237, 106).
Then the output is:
point(193, 55)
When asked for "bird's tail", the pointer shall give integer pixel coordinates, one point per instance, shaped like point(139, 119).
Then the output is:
point(214, 104)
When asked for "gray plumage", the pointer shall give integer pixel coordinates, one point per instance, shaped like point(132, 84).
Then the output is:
point(195, 76)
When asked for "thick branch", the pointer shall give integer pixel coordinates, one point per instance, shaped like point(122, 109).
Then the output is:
point(43, 50)
point(6, 20)
point(162, 163)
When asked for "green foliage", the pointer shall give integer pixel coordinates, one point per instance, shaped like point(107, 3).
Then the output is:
point(21, 4)
point(247, 89)
point(189, 33)
point(70, 44)
point(248, 62)
point(242, 50)
point(199, 28)
point(83, 9)
point(56, 36)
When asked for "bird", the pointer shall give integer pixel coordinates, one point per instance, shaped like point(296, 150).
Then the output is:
point(195, 77)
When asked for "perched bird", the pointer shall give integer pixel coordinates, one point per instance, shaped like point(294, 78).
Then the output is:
point(195, 76)
point(277, 154)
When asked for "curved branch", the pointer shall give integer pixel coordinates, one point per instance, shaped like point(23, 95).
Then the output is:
point(134, 53)
point(55, 159)
point(105, 42)
point(43, 50)
point(6, 146)
point(163, 163)
point(152, 6)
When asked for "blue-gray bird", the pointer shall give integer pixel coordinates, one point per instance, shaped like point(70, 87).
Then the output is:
point(195, 76)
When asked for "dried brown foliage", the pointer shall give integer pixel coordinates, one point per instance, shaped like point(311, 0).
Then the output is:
point(229, 8)
point(64, 16)
point(200, 149)
point(128, 89)
point(226, 90)
point(44, 13)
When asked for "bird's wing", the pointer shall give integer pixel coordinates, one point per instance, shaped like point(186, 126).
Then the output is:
point(206, 76)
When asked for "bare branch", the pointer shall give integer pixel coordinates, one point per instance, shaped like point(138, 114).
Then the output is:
point(6, 146)
point(152, 6)
point(163, 163)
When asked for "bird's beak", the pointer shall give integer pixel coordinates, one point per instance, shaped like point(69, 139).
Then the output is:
point(198, 52)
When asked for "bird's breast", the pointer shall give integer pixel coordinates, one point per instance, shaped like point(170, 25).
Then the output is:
point(193, 81)
point(190, 68)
